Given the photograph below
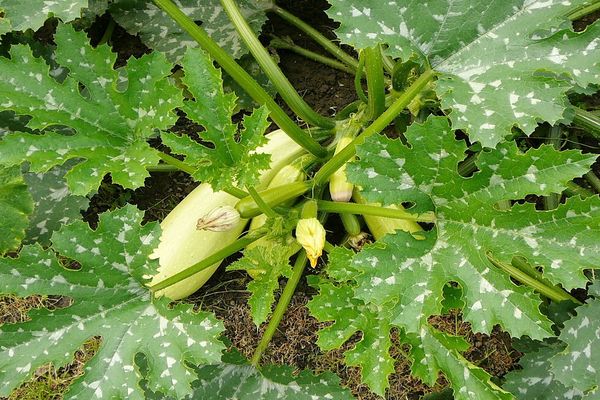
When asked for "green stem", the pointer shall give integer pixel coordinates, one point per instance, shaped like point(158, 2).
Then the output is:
point(587, 120)
point(388, 63)
point(365, 209)
point(274, 196)
point(182, 166)
point(270, 68)
point(524, 278)
point(208, 261)
point(593, 180)
point(315, 35)
point(582, 12)
point(358, 79)
point(552, 200)
point(468, 166)
point(162, 168)
point(108, 32)
point(377, 126)
point(282, 304)
point(264, 207)
point(375, 82)
point(242, 78)
point(574, 189)
point(279, 43)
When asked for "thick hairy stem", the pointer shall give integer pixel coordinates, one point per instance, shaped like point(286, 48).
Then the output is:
point(270, 68)
point(375, 82)
point(377, 126)
point(365, 209)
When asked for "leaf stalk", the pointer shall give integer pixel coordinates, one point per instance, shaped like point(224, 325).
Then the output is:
point(366, 209)
point(377, 126)
point(270, 68)
point(242, 78)
point(315, 35)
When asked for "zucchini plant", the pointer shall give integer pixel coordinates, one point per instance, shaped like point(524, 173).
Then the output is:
point(430, 162)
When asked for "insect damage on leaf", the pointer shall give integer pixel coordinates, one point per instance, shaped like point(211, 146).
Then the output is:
point(109, 126)
point(109, 299)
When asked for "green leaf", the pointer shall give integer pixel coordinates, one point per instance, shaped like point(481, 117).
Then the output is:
point(111, 127)
point(16, 205)
point(54, 205)
point(502, 63)
point(351, 315)
point(231, 160)
point(469, 225)
point(433, 351)
point(536, 381)
point(243, 382)
point(160, 32)
point(578, 365)
point(32, 14)
point(267, 262)
point(109, 300)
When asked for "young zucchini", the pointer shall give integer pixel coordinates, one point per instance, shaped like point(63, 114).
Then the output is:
point(182, 245)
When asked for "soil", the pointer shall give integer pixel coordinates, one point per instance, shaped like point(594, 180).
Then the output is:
point(327, 90)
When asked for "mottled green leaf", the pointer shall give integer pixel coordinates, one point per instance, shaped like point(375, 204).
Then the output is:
point(490, 55)
point(469, 225)
point(349, 316)
point(243, 382)
point(160, 32)
point(16, 205)
point(111, 127)
point(434, 352)
point(578, 365)
point(31, 14)
point(109, 300)
point(267, 262)
point(230, 159)
point(54, 204)
point(535, 381)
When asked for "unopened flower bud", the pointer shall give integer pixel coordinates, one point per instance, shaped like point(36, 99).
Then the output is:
point(219, 219)
point(311, 235)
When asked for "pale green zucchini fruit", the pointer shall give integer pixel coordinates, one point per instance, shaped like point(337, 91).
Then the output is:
point(182, 245)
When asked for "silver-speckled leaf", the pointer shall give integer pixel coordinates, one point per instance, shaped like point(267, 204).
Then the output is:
point(109, 300)
point(54, 205)
point(16, 205)
point(535, 380)
point(433, 352)
point(272, 382)
point(578, 365)
point(413, 273)
point(350, 315)
point(502, 63)
point(109, 127)
point(160, 32)
point(31, 14)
